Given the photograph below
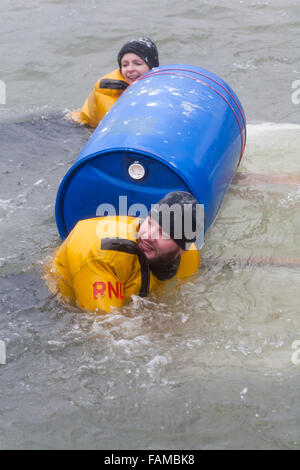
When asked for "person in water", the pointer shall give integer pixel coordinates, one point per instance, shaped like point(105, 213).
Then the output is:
point(106, 260)
point(135, 59)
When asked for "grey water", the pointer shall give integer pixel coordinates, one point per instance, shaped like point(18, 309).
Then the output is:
point(211, 363)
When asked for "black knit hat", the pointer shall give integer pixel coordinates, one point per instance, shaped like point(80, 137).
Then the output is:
point(180, 216)
point(144, 48)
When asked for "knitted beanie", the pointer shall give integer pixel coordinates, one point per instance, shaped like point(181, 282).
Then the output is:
point(144, 48)
point(180, 216)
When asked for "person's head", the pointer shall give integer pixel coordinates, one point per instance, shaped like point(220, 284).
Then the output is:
point(136, 58)
point(170, 228)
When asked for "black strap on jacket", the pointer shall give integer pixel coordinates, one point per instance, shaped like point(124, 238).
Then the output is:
point(128, 246)
point(113, 84)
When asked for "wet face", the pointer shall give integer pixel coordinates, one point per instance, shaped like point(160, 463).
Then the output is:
point(157, 245)
point(133, 67)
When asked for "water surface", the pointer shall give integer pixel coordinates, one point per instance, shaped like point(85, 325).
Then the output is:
point(209, 364)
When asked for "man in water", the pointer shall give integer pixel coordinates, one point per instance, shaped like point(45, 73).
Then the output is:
point(106, 260)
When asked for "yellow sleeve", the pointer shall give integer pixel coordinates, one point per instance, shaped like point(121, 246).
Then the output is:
point(57, 276)
point(88, 115)
point(97, 104)
point(190, 263)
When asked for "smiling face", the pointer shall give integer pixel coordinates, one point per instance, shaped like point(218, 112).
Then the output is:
point(133, 67)
point(157, 245)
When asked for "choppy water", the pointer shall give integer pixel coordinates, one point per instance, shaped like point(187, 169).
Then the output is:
point(211, 366)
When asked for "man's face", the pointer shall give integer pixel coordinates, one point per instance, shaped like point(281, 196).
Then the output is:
point(157, 245)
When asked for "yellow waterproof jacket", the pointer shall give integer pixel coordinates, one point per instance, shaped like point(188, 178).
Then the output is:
point(99, 266)
point(105, 93)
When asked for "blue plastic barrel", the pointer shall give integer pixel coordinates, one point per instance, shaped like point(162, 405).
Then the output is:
point(179, 127)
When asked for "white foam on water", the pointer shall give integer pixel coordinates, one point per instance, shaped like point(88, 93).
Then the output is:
point(156, 365)
point(5, 203)
point(267, 127)
point(20, 115)
point(3, 261)
point(272, 148)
